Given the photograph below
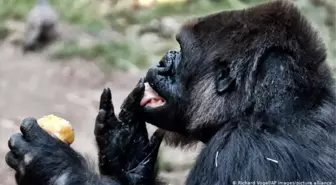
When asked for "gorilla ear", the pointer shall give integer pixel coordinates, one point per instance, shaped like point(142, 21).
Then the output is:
point(224, 82)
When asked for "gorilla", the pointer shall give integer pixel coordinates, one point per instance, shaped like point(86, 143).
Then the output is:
point(126, 155)
point(253, 85)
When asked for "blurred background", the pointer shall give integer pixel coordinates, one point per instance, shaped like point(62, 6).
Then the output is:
point(104, 43)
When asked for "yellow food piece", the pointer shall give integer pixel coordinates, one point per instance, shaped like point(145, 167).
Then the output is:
point(58, 127)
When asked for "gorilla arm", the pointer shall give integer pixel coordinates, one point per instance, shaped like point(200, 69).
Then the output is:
point(40, 159)
point(125, 152)
point(57, 163)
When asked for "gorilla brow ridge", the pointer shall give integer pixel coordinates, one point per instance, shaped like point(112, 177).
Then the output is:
point(256, 30)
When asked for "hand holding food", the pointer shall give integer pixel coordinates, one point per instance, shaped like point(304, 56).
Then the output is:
point(58, 127)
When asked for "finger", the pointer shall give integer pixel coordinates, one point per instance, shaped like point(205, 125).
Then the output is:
point(105, 122)
point(146, 168)
point(134, 98)
point(152, 149)
point(106, 104)
point(32, 131)
point(18, 145)
point(12, 161)
point(106, 101)
point(101, 117)
point(132, 103)
point(140, 129)
point(156, 139)
point(145, 147)
point(100, 120)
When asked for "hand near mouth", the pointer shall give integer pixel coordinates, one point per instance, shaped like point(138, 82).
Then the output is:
point(125, 150)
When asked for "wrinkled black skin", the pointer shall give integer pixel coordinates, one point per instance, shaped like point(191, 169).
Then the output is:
point(167, 79)
point(126, 155)
point(252, 85)
point(125, 152)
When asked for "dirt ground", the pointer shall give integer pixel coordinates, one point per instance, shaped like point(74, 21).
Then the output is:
point(33, 86)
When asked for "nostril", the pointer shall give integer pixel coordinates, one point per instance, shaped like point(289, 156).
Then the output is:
point(171, 54)
point(165, 67)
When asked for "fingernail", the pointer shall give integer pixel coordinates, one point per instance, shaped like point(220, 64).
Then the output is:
point(27, 124)
point(141, 81)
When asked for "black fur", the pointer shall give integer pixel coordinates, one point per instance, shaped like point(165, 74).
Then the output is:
point(126, 155)
point(254, 86)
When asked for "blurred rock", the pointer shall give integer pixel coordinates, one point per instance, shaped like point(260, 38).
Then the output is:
point(41, 26)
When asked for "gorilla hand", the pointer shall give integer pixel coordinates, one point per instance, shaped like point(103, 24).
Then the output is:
point(40, 159)
point(124, 149)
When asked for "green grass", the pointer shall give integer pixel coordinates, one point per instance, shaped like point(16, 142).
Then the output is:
point(182, 11)
point(130, 51)
point(76, 12)
point(117, 54)
point(122, 54)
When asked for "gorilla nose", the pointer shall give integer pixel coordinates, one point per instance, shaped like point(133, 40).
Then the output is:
point(167, 62)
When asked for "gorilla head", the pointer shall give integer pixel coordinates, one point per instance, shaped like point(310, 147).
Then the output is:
point(265, 64)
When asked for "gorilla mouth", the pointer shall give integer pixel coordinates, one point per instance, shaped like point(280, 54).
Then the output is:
point(151, 98)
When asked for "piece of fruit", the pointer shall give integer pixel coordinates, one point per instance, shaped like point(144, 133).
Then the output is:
point(58, 127)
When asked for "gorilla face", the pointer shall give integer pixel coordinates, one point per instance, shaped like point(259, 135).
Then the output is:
point(176, 82)
point(166, 97)
point(236, 65)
